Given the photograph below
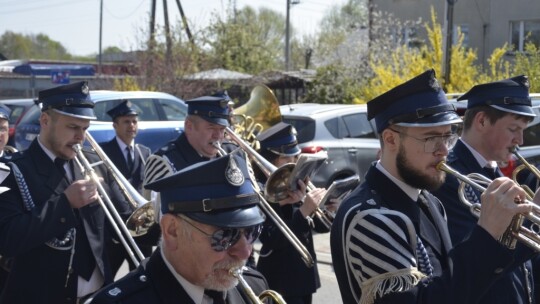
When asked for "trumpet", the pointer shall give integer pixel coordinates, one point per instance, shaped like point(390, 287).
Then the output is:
point(108, 208)
point(276, 297)
point(524, 165)
point(306, 256)
point(516, 231)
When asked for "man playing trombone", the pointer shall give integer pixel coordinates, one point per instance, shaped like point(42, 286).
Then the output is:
point(389, 239)
point(493, 124)
point(50, 223)
point(210, 220)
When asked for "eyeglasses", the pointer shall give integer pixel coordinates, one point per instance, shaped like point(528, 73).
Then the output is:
point(224, 238)
point(435, 143)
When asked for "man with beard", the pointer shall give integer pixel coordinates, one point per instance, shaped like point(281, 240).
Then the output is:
point(389, 240)
point(51, 223)
point(496, 115)
point(210, 220)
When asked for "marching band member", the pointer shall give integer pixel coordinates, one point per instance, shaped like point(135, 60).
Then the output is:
point(205, 124)
point(50, 223)
point(210, 220)
point(278, 260)
point(389, 239)
point(496, 115)
point(4, 129)
point(130, 159)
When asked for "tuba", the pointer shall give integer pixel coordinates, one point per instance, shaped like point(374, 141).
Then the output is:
point(260, 112)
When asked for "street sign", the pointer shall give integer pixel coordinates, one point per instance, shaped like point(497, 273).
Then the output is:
point(60, 77)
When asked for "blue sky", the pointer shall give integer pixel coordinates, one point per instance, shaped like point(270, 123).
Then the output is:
point(75, 23)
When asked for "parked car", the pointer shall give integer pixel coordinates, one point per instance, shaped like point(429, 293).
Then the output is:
point(18, 107)
point(161, 118)
point(342, 131)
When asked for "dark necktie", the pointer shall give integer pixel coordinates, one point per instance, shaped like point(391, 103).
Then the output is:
point(217, 296)
point(59, 163)
point(129, 158)
point(490, 172)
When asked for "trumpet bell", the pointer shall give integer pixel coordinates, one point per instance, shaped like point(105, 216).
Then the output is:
point(276, 186)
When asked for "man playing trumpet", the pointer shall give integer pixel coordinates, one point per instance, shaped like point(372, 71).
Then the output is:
point(389, 239)
point(493, 124)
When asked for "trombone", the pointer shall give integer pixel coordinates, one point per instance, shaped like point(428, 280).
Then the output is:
point(109, 209)
point(276, 297)
point(516, 231)
point(143, 216)
point(304, 253)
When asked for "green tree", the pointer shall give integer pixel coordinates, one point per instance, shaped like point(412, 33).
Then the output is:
point(18, 46)
point(246, 40)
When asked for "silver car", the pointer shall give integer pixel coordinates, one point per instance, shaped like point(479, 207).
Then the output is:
point(343, 131)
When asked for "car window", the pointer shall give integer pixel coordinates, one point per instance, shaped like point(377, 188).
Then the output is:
point(358, 126)
point(16, 112)
point(336, 127)
point(172, 110)
point(305, 128)
point(32, 117)
point(531, 135)
point(144, 106)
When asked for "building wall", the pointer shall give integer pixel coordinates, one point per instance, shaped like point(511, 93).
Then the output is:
point(487, 21)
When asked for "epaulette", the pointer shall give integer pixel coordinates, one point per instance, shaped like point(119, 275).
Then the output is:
point(170, 146)
point(12, 157)
point(132, 283)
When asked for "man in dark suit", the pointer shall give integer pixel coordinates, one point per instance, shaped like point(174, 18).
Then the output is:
point(50, 221)
point(389, 239)
point(210, 220)
point(127, 156)
point(496, 115)
point(130, 159)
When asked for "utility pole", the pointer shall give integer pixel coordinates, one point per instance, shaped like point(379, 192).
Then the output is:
point(288, 34)
point(100, 35)
point(448, 42)
point(168, 40)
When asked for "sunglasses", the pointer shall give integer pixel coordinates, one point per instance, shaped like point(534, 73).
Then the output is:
point(224, 238)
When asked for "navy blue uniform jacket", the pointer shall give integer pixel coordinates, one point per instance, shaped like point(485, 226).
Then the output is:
point(513, 286)
point(136, 175)
point(39, 272)
point(461, 275)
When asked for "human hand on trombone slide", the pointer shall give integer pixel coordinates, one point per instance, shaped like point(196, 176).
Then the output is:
point(82, 192)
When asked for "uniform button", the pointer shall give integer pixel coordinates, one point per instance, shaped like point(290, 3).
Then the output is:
point(498, 270)
point(62, 220)
point(142, 278)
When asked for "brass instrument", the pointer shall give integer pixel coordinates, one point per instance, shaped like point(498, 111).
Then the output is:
point(10, 149)
point(524, 165)
point(109, 209)
point(276, 297)
point(260, 112)
point(516, 231)
point(143, 216)
point(304, 253)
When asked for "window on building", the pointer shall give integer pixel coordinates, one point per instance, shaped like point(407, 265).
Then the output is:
point(464, 30)
point(523, 32)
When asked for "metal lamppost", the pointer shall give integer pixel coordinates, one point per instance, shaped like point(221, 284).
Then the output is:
point(287, 34)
